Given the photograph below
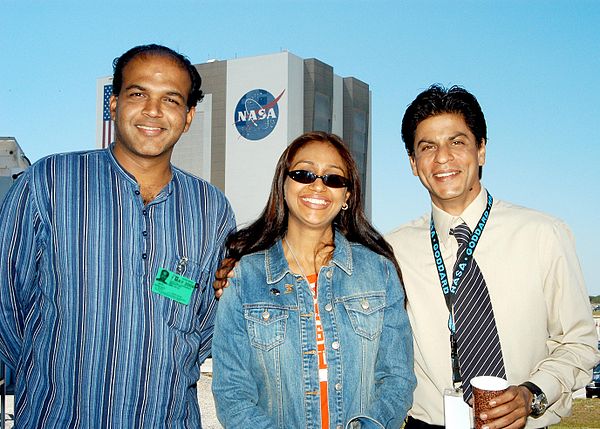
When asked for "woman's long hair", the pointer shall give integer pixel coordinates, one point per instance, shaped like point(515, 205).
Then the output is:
point(271, 226)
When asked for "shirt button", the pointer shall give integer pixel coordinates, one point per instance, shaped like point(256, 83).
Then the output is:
point(145, 233)
point(144, 212)
point(144, 256)
point(137, 192)
point(328, 274)
point(266, 315)
point(364, 304)
point(335, 345)
point(338, 386)
point(328, 307)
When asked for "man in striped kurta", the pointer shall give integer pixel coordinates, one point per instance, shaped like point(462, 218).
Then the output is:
point(96, 332)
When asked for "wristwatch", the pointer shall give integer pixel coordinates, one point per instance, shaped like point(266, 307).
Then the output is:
point(539, 403)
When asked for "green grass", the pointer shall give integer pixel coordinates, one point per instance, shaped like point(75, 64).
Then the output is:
point(586, 414)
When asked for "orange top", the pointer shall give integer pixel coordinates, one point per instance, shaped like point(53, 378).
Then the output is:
point(312, 281)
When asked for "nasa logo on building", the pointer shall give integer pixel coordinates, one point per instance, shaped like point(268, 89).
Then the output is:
point(256, 114)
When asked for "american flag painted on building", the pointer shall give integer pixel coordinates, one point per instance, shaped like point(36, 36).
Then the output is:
point(107, 123)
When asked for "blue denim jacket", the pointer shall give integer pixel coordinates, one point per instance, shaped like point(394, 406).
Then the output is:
point(265, 364)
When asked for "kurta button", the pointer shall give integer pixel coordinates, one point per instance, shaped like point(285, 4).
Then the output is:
point(144, 212)
point(328, 307)
point(145, 233)
point(328, 274)
point(338, 386)
point(137, 192)
point(364, 304)
point(266, 315)
point(144, 256)
point(335, 345)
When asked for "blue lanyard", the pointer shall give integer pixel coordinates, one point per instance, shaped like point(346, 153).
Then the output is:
point(449, 288)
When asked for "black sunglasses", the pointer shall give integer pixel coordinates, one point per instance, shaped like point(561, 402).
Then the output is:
point(330, 180)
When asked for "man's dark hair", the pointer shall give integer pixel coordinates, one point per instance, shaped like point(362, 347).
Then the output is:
point(119, 64)
point(437, 100)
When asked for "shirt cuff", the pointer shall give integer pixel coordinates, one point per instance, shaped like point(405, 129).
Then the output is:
point(549, 385)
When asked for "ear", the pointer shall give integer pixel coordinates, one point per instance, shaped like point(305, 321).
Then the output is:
point(348, 193)
point(413, 165)
point(189, 117)
point(481, 153)
point(113, 106)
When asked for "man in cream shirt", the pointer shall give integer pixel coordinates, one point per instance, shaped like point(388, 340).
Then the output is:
point(527, 258)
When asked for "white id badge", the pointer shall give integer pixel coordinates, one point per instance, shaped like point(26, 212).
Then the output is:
point(457, 414)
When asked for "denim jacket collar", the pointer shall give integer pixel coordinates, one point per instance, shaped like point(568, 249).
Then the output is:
point(276, 265)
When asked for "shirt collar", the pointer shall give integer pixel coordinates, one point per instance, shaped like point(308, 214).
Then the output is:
point(110, 154)
point(276, 265)
point(130, 178)
point(471, 215)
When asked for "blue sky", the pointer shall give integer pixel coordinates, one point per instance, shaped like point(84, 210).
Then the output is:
point(534, 66)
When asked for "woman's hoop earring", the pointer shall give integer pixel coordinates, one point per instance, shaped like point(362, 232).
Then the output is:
point(344, 206)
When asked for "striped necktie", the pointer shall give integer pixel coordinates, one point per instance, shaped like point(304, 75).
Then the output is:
point(479, 351)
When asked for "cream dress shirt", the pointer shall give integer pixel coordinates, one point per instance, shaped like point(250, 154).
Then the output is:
point(537, 290)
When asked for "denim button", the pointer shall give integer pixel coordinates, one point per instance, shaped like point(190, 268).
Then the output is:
point(335, 345)
point(338, 386)
point(328, 307)
point(266, 315)
point(328, 274)
point(364, 304)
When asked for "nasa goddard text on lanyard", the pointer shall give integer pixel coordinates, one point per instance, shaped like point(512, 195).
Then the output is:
point(449, 288)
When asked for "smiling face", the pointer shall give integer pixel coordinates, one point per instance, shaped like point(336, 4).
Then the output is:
point(150, 112)
point(314, 205)
point(447, 160)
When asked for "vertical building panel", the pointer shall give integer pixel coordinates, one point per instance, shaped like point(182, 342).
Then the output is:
point(337, 120)
point(357, 119)
point(192, 152)
point(318, 96)
point(214, 82)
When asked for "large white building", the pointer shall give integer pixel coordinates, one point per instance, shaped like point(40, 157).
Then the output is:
point(252, 109)
point(12, 162)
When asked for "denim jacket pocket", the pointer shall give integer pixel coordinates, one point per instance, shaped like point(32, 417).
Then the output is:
point(266, 325)
point(366, 313)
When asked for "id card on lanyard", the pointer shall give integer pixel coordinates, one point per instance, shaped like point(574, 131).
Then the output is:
point(457, 413)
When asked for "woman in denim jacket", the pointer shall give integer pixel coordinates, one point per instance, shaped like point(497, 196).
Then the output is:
point(312, 332)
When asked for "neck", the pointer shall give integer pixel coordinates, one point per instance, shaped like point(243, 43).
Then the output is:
point(457, 206)
point(310, 249)
point(152, 174)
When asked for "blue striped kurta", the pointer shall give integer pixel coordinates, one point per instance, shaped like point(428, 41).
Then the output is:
point(92, 345)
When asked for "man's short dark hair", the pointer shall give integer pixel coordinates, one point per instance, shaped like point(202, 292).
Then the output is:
point(119, 64)
point(437, 100)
